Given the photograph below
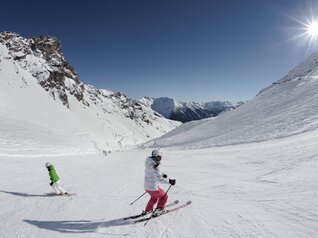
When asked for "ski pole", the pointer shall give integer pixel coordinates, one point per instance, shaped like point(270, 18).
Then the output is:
point(138, 198)
point(159, 203)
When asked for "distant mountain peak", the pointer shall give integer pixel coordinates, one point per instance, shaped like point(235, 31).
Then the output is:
point(187, 111)
point(286, 108)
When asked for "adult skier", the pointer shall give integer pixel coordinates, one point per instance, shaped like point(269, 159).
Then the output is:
point(153, 177)
point(55, 180)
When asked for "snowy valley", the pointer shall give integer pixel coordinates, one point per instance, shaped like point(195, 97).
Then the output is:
point(250, 172)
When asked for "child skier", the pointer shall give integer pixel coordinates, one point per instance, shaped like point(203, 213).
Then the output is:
point(153, 177)
point(54, 179)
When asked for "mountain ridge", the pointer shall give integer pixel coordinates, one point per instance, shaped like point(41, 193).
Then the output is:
point(35, 76)
point(188, 111)
point(289, 104)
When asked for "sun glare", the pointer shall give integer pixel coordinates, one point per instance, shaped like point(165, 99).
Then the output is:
point(312, 29)
point(305, 31)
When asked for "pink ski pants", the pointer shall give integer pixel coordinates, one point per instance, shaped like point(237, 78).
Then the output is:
point(159, 196)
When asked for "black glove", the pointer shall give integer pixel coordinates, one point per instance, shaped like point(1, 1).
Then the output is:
point(51, 184)
point(172, 181)
point(165, 176)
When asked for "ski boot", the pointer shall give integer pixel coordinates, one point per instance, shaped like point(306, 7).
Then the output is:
point(144, 213)
point(157, 212)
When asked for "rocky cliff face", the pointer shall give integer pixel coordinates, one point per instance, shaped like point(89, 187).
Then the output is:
point(51, 68)
point(43, 57)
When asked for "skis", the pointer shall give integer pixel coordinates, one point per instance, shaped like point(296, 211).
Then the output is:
point(59, 195)
point(173, 203)
point(141, 215)
point(165, 211)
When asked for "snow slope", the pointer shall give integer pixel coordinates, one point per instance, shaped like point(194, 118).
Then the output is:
point(267, 189)
point(285, 108)
point(263, 183)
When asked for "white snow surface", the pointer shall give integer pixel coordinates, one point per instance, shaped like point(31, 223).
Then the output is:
point(267, 189)
point(251, 172)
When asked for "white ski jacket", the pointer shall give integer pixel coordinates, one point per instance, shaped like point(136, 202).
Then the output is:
point(153, 176)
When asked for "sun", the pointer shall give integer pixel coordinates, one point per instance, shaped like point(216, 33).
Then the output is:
point(304, 28)
point(312, 29)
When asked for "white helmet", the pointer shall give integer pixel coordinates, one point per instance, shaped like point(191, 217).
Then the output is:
point(156, 153)
point(47, 164)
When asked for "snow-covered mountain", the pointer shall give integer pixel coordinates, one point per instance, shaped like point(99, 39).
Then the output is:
point(262, 184)
point(40, 93)
point(187, 111)
point(287, 107)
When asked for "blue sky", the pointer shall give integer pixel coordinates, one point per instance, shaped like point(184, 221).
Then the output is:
point(196, 50)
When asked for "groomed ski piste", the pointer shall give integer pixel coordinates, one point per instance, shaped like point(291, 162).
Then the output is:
point(266, 189)
point(251, 172)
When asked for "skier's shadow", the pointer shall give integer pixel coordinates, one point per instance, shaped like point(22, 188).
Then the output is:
point(80, 226)
point(23, 194)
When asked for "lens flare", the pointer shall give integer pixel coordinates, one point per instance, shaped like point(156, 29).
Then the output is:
point(304, 26)
point(312, 29)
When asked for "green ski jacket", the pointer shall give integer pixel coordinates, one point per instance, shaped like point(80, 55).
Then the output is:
point(53, 176)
